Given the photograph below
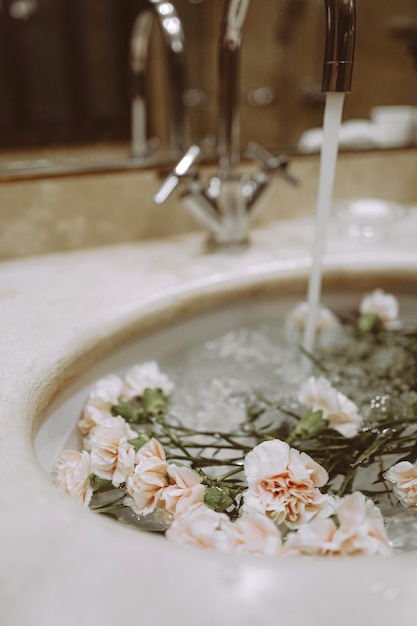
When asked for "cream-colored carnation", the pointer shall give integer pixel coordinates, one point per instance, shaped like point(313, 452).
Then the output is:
point(360, 531)
point(297, 317)
point(403, 478)
point(149, 450)
point(103, 395)
point(315, 538)
point(184, 492)
point(112, 456)
point(149, 479)
point(72, 475)
point(385, 305)
point(341, 413)
point(146, 376)
point(254, 534)
point(201, 527)
point(283, 483)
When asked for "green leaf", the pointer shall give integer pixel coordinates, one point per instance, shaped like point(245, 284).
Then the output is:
point(154, 402)
point(336, 520)
point(139, 441)
point(217, 498)
point(311, 424)
point(369, 322)
point(131, 413)
point(99, 484)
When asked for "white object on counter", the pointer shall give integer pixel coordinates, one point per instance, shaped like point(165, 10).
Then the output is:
point(389, 127)
point(394, 126)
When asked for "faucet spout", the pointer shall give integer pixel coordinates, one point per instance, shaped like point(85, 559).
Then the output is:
point(340, 45)
point(163, 13)
point(337, 67)
point(230, 41)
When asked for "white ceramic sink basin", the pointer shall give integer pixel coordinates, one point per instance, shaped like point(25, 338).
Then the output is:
point(76, 317)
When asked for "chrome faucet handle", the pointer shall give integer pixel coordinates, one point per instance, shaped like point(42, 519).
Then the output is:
point(182, 169)
point(270, 164)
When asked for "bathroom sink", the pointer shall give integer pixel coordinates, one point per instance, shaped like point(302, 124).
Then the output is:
point(170, 346)
point(123, 305)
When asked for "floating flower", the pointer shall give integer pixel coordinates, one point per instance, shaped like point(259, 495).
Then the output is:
point(150, 450)
point(254, 534)
point(72, 475)
point(201, 527)
point(340, 412)
point(282, 491)
point(112, 456)
point(357, 530)
point(384, 305)
point(284, 484)
point(184, 492)
point(102, 397)
point(403, 478)
point(297, 317)
point(146, 376)
point(204, 528)
point(149, 478)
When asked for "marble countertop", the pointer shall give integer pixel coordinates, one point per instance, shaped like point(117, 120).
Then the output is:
point(59, 564)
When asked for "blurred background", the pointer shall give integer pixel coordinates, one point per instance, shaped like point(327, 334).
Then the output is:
point(65, 80)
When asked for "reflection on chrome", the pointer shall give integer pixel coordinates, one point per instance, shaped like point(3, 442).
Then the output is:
point(165, 15)
point(230, 200)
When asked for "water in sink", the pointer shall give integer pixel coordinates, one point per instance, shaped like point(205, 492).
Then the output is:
point(221, 362)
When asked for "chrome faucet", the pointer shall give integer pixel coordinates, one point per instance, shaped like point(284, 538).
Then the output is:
point(230, 199)
point(163, 13)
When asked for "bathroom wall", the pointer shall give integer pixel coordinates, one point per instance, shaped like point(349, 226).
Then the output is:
point(282, 53)
point(64, 75)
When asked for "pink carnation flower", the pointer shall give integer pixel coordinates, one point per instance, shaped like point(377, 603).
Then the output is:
point(403, 477)
point(360, 531)
point(204, 528)
point(385, 305)
point(297, 317)
point(103, 395)
point(341, 413)
point(201, 527)
point(283, 483)
point(71, 474)
point(112, 456)
point(106, 391)
point(148, 480)
point(146, 376)
point(183, 493)
point(254, 534)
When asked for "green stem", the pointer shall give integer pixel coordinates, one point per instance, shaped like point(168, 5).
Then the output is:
point(189, 444)
point(347, 481)
point(313, 359)
point(232, 472)
point(375, 447)
point(110, 508)
point(202, 461)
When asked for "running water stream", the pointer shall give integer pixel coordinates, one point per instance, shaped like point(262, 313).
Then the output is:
point(332, 119)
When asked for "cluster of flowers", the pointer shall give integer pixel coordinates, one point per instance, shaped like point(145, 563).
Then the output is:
point(283, 511)
point(107, 449)
point(376, 306)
